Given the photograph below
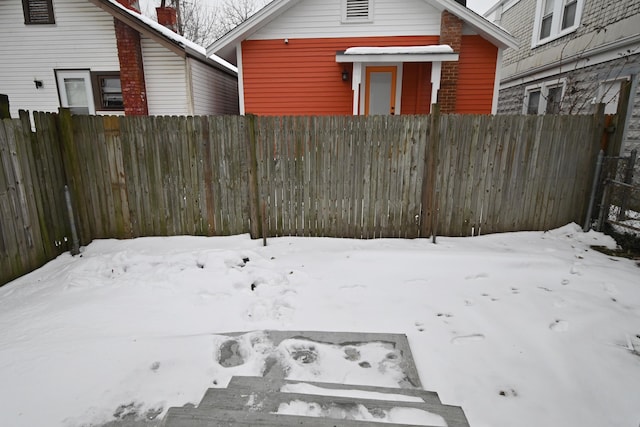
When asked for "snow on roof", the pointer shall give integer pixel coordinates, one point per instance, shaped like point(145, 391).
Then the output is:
point(175, 37)
point(442, 48)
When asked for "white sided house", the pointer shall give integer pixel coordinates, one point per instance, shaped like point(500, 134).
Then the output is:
point(103, 57)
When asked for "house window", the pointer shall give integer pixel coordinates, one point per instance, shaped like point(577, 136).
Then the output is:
point(107, 91)
point(609, 95)
point(533, 101)
point(554, 100)
point(357, 10)
point(545, 98)
point(74, 90)
point(556, 18)
point(38, 11)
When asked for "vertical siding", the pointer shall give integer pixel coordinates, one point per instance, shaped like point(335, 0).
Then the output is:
point(165, 77)
point(82, 37)
point(214, 92)
point(476, 76)
point(310, 19)
point(303, 77)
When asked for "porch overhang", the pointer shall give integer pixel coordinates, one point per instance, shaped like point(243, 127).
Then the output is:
point(437, 53)
point(361, 57)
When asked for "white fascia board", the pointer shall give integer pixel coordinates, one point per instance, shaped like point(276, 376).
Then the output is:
point(489, 30)
point(401, 57)
point(225, 46)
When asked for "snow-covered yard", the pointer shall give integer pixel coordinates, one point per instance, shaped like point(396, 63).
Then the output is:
point(527, 329)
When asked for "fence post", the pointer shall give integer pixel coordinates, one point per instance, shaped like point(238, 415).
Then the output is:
point(4, 107)
point(254, 194)
point(594, 190)
point(429, 219)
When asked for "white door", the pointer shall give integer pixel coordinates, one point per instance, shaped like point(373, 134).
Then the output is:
point(74, 87)
point(380, 94)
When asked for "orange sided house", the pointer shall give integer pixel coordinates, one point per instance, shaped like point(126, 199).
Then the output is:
point(343, 57)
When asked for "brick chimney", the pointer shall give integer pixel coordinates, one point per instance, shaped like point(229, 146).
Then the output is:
point(168, 17)
point(130, 4)
point(450, 34)
point(134, 91)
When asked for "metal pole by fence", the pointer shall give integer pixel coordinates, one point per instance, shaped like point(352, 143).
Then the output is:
point(594, 189)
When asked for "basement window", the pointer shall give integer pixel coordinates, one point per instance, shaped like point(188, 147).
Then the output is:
point(107, 91)
point(357, 11)
point(38, 12)
point(545, 98)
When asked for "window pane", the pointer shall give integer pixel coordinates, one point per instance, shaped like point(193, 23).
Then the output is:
point(554, 100)
point(76, 92)
point(545, 28)
point(533, 102)
point(548, 7)
point(111, 92)
point(569, 14)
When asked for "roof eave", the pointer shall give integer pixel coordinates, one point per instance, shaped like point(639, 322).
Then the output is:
point(177, 48)
point(488, 30)
point(225, 45)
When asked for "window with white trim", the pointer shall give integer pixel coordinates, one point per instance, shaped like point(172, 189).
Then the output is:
point(74, 90)
point(545, 98)
point(357, 11)
point(556, 18)
point(609, 94)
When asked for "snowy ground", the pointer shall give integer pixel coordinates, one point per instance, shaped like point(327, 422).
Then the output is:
point(527, 329)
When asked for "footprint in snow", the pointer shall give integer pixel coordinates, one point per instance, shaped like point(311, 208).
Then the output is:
point(560, 303)
point(611, 289)
point(466, 339)
point(575, 270)
point(477, 276)
point(559, 326)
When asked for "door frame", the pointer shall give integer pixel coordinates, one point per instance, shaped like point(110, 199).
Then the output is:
point(364, 98)
point(84, 74)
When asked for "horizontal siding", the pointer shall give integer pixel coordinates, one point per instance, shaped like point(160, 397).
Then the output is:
point(302, 77)
point(313, 19)
point(82, 38)
point(214, 92)
point(477, 68)
point(165, 78)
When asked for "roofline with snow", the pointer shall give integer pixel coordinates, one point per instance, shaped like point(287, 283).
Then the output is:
point(490, 31)
point(181, 49)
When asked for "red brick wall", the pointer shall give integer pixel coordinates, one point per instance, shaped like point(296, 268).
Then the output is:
point(451, 34)
point(134, 92)
point(130, 4)
point(168, 16)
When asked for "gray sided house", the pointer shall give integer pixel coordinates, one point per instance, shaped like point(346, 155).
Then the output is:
point(103, 57)
point(572, 54)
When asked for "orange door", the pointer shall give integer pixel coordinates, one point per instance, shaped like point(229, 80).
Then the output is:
point(380, 90)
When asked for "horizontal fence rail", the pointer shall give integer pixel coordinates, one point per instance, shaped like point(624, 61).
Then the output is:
point(360, 177)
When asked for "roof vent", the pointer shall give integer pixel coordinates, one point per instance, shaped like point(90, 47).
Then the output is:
point(357, 10)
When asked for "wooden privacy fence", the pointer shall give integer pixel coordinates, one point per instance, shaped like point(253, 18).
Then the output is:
point(361, 177)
